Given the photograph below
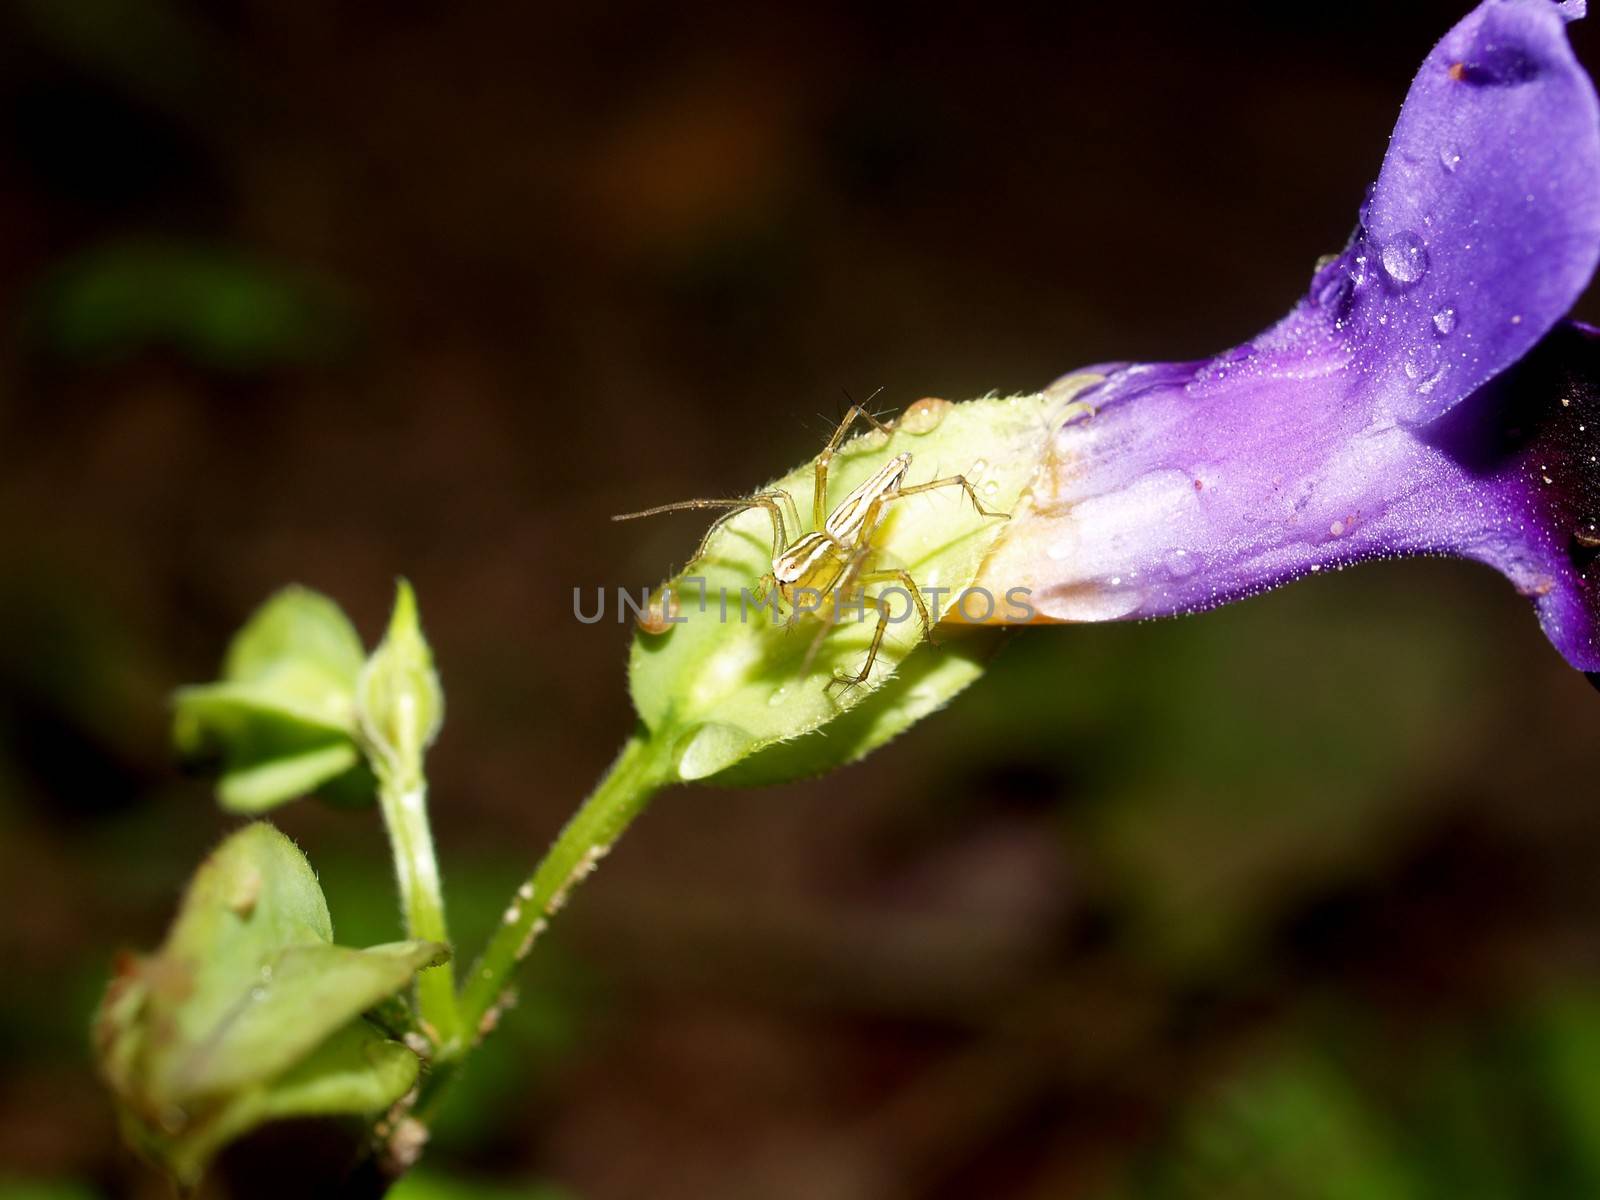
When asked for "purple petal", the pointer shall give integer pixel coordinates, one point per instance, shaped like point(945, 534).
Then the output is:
point(1379, 418)
point(1484, 225)
point(1172, 499)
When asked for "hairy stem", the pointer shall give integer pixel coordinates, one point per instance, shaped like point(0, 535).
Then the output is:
point(405, 812)
point(641, 770)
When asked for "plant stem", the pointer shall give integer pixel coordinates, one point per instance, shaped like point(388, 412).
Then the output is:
point(641, 770)
point(405, 812)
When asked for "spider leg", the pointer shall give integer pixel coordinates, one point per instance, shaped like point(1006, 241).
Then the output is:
point(819, 490)
point(763, 500)
point(846, 682)
point(959, 481)
point(904, 579)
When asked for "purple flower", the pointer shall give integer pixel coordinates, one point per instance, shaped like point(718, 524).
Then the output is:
point(1421, 399)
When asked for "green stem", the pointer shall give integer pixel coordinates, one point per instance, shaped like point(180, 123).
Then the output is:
point(641, 770)
point(405, 813)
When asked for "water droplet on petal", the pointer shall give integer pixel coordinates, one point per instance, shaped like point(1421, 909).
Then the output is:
point(1405, 258)
point(1421, 360)
point(1444, 320)
point(1449, 158)
point(1333, 293)
point(1432, 381)
point(1181, 564)
point(1364, 216)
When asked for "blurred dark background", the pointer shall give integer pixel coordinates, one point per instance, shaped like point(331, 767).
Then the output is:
point(1297, 899)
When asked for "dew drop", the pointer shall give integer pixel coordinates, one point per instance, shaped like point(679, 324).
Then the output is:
point(1421, 360)
point(1432, 381)
point(1333, 293)
point(1405, 259)
point(925, 415)
point(1449, 158)
point(660, 614)
point(778, 697)
point(872, 439)
point(1444, 320)
point(1181, 564)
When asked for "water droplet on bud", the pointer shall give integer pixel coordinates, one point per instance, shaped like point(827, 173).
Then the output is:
point(659, 616)
point(925, 415)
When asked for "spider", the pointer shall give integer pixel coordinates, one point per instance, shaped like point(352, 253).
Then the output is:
point(835, 559)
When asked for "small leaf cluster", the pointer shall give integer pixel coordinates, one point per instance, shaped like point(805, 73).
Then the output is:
point(250, 1012)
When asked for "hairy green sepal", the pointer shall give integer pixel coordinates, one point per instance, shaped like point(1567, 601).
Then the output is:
point(249, 1012)
point(730, 688)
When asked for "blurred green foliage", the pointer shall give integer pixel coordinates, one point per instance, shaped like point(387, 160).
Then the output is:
point(1505, 1110)
point(17, 1188)
point(429, 1185)
point(214, 305)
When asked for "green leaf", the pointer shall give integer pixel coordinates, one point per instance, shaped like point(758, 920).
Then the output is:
point(256, 788)
point(355, 1072)
point(730, 688)
point(281, 722)
point(305, 634)
point(249, 1011)
point(400, 705)
point(304, 994)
